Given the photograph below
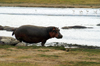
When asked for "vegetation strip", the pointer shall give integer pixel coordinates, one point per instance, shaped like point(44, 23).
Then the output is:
point(52, 3)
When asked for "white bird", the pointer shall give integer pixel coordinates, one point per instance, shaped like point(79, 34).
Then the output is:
point(73, 11)
point(87, 11)
point(95, 12)
point(81, 11)
point(35, 10)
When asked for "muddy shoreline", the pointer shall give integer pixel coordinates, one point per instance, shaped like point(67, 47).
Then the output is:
point(47, 5)
point(4, 40)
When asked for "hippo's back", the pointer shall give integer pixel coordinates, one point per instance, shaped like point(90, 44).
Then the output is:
point(30, 29)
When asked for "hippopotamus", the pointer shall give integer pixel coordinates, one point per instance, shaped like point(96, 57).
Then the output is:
point(35, 34)
point(75, 27)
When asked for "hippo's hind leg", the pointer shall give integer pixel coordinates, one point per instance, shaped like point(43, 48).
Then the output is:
point(20, 39)
point(43, 42)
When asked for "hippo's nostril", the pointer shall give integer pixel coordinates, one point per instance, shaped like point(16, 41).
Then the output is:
point(59, 37)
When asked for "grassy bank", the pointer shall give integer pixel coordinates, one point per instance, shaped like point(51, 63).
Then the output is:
point(48, 56)
point(55, 3)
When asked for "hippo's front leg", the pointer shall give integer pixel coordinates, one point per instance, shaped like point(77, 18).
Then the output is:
point(43, 42)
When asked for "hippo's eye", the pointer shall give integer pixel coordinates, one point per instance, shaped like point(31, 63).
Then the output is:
point(55, 31)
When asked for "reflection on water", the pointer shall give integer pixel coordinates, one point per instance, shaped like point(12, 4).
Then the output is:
point(59, 17)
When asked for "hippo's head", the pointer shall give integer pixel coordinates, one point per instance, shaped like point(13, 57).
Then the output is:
point(55, 32)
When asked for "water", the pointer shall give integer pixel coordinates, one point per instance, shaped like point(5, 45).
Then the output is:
point(59, 17)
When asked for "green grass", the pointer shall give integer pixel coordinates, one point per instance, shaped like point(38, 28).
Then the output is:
point(86, 58)
point(43, 50)
point(87, 63)
point(86, 50)
point(66, 2)
point(24, 57)
point(49, 56)
point(6, 46)
point(36, 47)
point(31, 47)
point(4, 56)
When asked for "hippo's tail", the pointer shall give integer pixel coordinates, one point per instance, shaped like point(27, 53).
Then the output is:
point(14, 31)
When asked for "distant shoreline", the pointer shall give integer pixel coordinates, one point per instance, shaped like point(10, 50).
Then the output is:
point(47, 5)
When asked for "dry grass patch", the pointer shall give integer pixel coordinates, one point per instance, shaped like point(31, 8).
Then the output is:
point(48, 56)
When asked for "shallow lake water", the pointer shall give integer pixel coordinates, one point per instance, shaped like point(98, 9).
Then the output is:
point(59, 17)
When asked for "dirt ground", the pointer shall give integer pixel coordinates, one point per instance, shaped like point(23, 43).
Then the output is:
point(44, 57)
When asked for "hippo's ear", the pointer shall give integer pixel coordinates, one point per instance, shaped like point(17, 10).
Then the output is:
point(54, 28)
point(50, 29)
